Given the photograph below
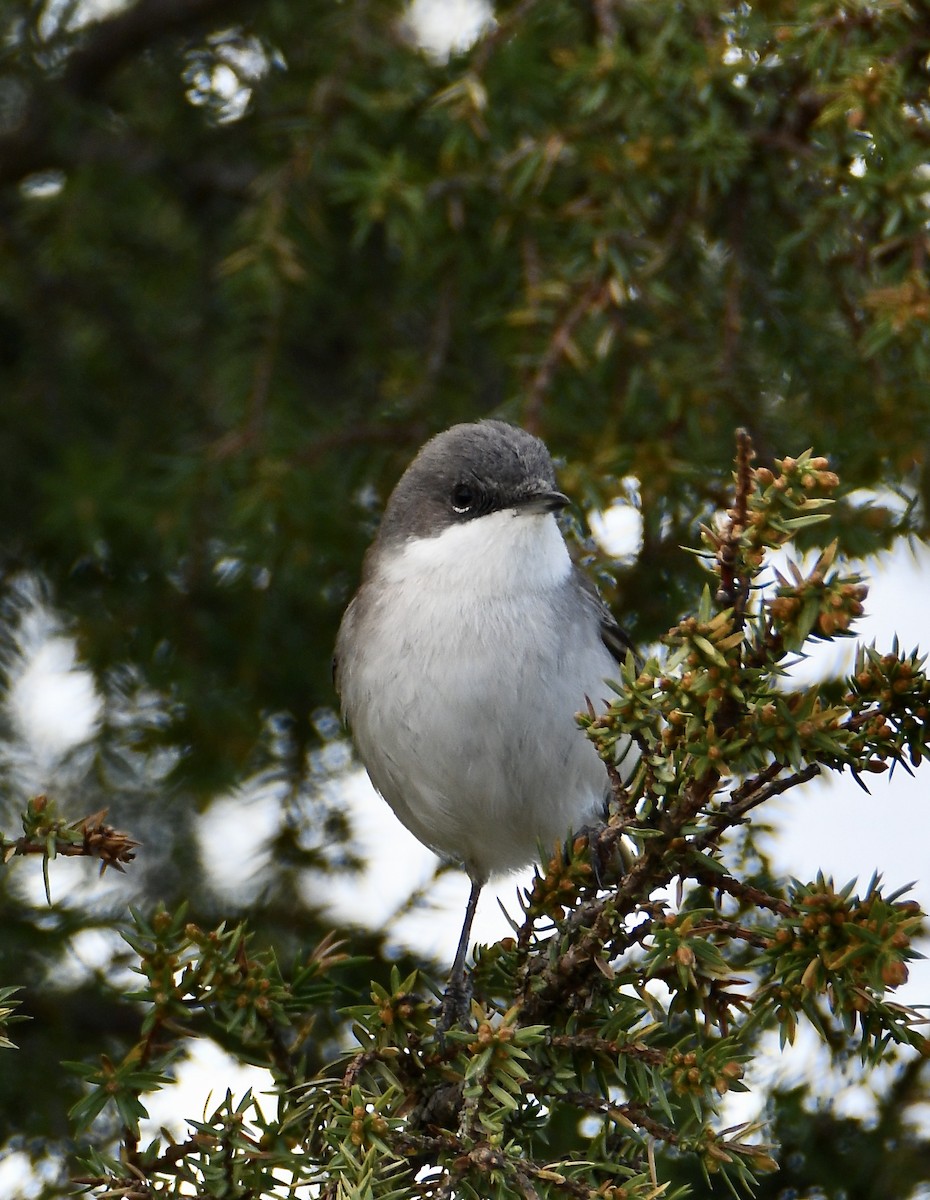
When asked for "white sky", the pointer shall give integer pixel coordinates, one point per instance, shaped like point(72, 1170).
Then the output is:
point(444, 26)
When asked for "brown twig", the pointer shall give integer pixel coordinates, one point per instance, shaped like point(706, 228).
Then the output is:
point(497, 33)
point(742, 891)
point(592, 297)
point(631, 1113)
point(596, 1045)
point(137, 1185)
point(750, 786)
point(356, 1065)
point(112, 847)
point(733, 813)
point(626, 805)
point(730, 929)
point(734, 579)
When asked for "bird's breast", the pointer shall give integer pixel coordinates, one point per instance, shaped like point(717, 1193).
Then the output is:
point(463, 703)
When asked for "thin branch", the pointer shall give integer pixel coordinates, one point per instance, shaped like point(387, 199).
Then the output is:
point(592, 297)
point(111, 42)
point(734, 580)
point(730, 929)
point(744, 892)
point(733, 813)
point(497, 34)
point(98, 52)
point(631, 1114)
point(97, 840)
point(592, 1044)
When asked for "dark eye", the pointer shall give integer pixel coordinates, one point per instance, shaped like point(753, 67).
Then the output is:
point(464, 498)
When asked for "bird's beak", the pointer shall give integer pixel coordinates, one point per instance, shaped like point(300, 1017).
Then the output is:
point(542, 502)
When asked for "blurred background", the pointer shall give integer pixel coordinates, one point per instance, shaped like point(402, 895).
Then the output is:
point(251, 256)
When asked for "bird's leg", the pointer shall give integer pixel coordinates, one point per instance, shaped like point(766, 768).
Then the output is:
point(457, 996)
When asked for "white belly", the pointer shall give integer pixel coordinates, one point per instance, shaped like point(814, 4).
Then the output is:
point(462, 707)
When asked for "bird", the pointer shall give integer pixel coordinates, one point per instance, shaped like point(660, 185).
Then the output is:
point(472, 642)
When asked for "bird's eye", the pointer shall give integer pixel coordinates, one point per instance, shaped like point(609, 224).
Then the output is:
point(464, 498)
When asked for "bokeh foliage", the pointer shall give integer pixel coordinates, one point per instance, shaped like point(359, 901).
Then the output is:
point(228, 316)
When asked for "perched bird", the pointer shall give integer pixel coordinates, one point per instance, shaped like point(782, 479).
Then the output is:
point(466, 652)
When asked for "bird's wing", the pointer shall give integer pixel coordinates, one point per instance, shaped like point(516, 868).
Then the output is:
point(612, 635)
point(339, 655)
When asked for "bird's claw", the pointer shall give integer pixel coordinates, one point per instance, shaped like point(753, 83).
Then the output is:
point(608, 856)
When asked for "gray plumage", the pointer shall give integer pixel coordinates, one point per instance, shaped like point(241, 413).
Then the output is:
point(470, 645)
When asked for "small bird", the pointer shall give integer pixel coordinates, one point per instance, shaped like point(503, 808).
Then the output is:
point(461, 661)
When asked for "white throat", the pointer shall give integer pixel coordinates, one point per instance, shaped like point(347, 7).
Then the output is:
point(503, 552)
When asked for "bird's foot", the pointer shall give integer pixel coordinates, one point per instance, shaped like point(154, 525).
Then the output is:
point(609, 857)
